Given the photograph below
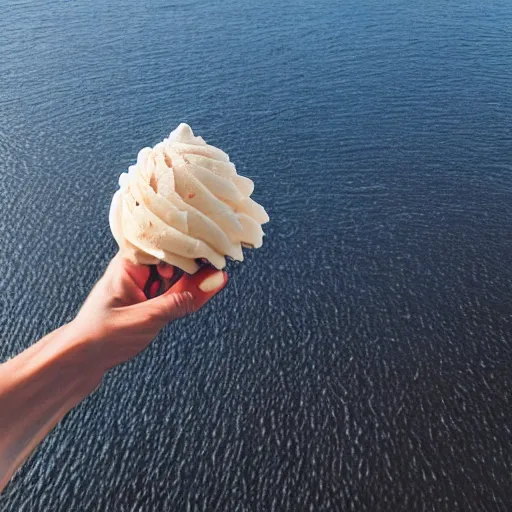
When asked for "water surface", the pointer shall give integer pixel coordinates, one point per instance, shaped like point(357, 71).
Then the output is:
point(361, 359)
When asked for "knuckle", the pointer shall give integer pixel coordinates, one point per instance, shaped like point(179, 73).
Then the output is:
point(181, 305)
point(176, 306)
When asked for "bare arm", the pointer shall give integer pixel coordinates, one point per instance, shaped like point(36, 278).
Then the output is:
point(42, 384)
point(37, 389)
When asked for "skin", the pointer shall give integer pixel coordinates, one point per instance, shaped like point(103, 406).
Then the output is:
point(42, 384)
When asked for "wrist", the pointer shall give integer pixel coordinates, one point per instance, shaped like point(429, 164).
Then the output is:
point(80, 349)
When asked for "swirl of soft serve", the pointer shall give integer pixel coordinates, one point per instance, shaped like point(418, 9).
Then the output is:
point(183, 201)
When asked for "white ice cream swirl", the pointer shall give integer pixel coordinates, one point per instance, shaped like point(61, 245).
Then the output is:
point(183, 200)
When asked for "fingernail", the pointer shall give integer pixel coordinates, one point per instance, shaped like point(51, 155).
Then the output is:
point(153, 290)
point(212, 282)
point(165, 270)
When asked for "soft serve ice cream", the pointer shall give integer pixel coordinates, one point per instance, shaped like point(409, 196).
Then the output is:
point(184, 201)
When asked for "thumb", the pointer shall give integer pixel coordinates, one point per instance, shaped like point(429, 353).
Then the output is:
point(169, 306)
point(188, 295)
point(203, 285)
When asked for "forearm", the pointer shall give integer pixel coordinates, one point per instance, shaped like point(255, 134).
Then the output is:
point(37, 389)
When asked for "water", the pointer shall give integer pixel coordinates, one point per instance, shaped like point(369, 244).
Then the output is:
point(361, 359)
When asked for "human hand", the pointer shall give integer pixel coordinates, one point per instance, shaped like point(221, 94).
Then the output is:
point(118, 322)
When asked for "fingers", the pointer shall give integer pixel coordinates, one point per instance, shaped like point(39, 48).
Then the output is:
point(165, 270)
point(203, 285)
point(188, 295)
point(139, 274)
point(173, 306)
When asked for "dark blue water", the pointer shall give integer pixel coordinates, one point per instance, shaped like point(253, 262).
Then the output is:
point(361, 360)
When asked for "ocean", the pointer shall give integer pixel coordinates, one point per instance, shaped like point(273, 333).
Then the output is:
point(361, 359)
